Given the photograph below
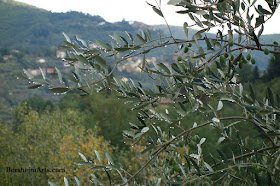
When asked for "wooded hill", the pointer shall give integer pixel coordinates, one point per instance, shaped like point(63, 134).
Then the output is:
point(31, 28)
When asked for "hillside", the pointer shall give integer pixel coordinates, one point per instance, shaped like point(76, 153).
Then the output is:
point(33, 29)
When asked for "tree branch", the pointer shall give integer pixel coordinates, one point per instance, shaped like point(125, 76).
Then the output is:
point(182, 134)
point(248, 154)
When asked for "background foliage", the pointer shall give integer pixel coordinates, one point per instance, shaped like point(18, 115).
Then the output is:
point(50, 140)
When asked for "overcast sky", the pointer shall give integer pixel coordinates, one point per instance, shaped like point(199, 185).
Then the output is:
point(130, 10)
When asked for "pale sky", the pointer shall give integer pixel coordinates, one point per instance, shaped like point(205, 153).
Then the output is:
point(131, 10)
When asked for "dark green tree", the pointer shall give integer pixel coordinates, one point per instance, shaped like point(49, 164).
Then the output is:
point(273, 69)
point(256, 74)
point(106, 112)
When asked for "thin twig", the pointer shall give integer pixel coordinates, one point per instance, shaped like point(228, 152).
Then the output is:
point(178, 136)
point(176, 41)
point(275, 164)
point(248, 154)
point(222, 170)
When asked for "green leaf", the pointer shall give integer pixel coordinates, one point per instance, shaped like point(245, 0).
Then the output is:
point(82, 59)
point(43, 75)
point(122, 49)
point(196, 37)
point(262, 10)
point(250, 107)
point(77, 181)
point(208, 44)
point(242, 6)
point(98, 167)
point(117, 38)
point(51, 183)
point(109, 158)
point(59, 75)
point(176, 68)
point(29, 75)
point(142, 105)
point(70, 44)
point(240, 88)
point(103, 45)
point(100, 61)
point(66, 37)
point(230, 37)
point(149, 34)
point(259, 21)
point(236, 59)
point(200, 12)
point(145, 129)
point(124, 40)
point(129, 134)
point(59, 89)
point(195, 166)
point(222, 17)
point(21, 77)
point(63, 47)
point(143, 63)
point(252, 93)
point(239, 138)
point(236, 177)
point(140, 38)
point(198, 22)
point(130, 36)
point(208, 167)
point(143, 35)
point(158, 11)
point(186, 30)
point(66, 182)
point(237, 5)
point(220, 105)
point(35, 86)
point(82, 41)
point(84, 163)
point(161, 65)
point(265, 111)
point(270, 96)
point(83, 157)
point(200, 50)
point(40, 81)
point(98, 156)
point(260, 31)
point(220, 140)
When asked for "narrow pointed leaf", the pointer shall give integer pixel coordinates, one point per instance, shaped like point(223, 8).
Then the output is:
point(29, 75)
point(35, 86)
point(77, 181)
point(83, 157)
point(66, 182)
point(158, 11)
point(59, 75)
point(66, 37)
point(98, 156)
point(59, 89)
point(100, 61)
